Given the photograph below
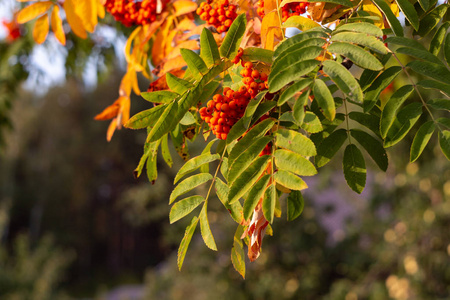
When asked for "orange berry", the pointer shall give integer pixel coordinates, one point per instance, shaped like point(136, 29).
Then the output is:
point(248, 80)
point(210, 104)
point(223, 136)
point(252, 92)
point(221, 121)
point(221, 18)
point(266, 83)
point(226, 128)
point(254, 85)
point(222, 115)
point(230, 93)
point(208, 119)
point(236, 95)
point(248, 65)
point(212, 20)
point(204, 16)
point(255, 74)
point(263, 76)
point(225, 107)
point(246, 72)
point(232, 8)
point(216, 114)
point(243, 89)
point(218, 105)
point(202, 110)
point(213, 13)
point(218, 98)
point(232, 105)
point(261, 86)
point(228, 22)
point(199, 11)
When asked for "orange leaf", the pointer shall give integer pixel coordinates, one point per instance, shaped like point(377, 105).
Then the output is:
point(100, 10)
point(40, 30)
point(183, 7)
point(111, 128)
point(270, 28)
point(57, 26)
point(109, 112)
point(171, 64)
point(189, 44)
point(32, 11)
point(159, 46)
point(87, 12)
point(73, 19)
point(161, 83)
point(269, 6)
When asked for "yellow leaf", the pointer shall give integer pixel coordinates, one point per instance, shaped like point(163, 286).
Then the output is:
point(73, 19)
point(270, 5)
point(87, 12)
point(57, 26)
point(40, 30)
point(171, 64)
point(112, 127)
point(270, 28)
point(32, 11)
point(300, 22)
point(183, 7)
point(130, 42)
point(100, 9)
point(159, 46)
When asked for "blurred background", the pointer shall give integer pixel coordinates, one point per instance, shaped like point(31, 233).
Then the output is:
point(75, 224)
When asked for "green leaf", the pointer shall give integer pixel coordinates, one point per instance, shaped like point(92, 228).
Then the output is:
point(247, 179)
point(246, 158)
point(431, 20)
point(437, 72)
point(208, 48)
point(295, 205)
point(329, 146)
point(237, 252)
point(294, 141)
point(257, 131)
point(232, 40)
point(357, 55)
point(269, 203)
point(431, 84)
point(394, 23)
point(324, 99)
point(195, 63)
point(444, 122)
point(300, 22)
point(382, 82)
point(370, 121)
point(208, 91)
point(205, 230)
point(165, 151)
point(405, 120)
point(447, 49)
point(258, 54)
point(164, 123)
point(362, 27)
point(354, 168)
point(293, 89)
point(318, 42)
point(152, 171)
point(438, 38)
point(410, 12)
point(298, 112)
point(184, 207)
point(442, 104)
point(425, 4)
point(188, 119)
point(195, 163)
point(287, 59)
point(292, 73)
point(344, 80)
point(293, 162)
point(403, 41)
point(186, 241)
point(234, 209)
point(254, 195)
point(372, 146)
point(150, 149)
point(177, 85)
point(311, 123)
point(391, 108)
point(444, 142)
point(421, 139)
point(263, 108)
point(340, 2)
point(362, 39)
point(289, 180)
point(160, 96)
point(178, 142)
point(146, 118)
point(317, 32)
point(420, 54)
point(189, 184)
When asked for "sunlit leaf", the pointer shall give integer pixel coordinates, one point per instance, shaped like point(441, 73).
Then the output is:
point(295, 141)
point(145, 118)
point(421, 139)
point(195, 163)
point(438, 38)
point(293, 162)
point(344, 80)
point(232, 40)
point(57, 26)
point(234, 209)
point(269, 203)
point(289, 180)
point(209, 50)
point(237, 252)
point(357, 55)
point(362, 39)
point(178, 85)
point(255, 195)
point(32, 11)
point(324, 99)
point(186, 241)
point(291, 73)
point(205, 230)
point(184, 207)
point(293, 89)
point(394, 23)
point(73, 19)
point(362, 27)
point(40, 30)
point(410, 12)
point(189, 184)
point(300, 22)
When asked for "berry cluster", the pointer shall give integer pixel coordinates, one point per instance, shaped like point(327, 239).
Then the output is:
point(293, 9)
point(220, 15)
point(223, 111)
point(260, 9)
point(132, 12)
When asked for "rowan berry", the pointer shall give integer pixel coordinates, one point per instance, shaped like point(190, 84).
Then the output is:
point(254, 85)
point(263, 76)
point(218, 98)
point(218, 105)
point(203, 110)
point(225, 107)
point(223, 136)
point(248, 65)
point(210, 104)
point(255, 74)
point(243, 89)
